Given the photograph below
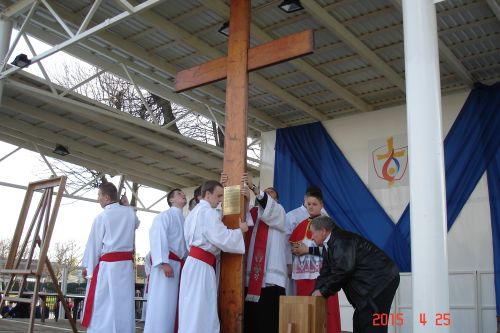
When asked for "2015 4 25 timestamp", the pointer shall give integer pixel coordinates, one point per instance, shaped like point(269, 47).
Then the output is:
point(388, 319)
point(398, 319)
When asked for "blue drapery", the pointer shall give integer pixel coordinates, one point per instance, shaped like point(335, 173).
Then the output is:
point(307, 155)
point(494, 192)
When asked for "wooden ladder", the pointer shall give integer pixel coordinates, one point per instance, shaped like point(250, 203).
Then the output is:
point(38, 235)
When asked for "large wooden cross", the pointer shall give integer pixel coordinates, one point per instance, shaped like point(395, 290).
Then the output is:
point(235, 67)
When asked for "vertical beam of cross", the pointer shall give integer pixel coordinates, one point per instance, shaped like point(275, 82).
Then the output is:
point(235, 67)
point(235, 157)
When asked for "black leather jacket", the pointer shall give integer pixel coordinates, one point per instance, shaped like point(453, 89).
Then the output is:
point(357, 266)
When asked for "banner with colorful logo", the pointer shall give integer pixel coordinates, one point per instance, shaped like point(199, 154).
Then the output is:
point(388, 162)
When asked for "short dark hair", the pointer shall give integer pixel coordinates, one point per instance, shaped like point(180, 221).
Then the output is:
point(110, 190)
point(192, 203)
point(323, 222)
point(209, 186)
point(197, 191)
point(275, 190)
point(170, 195)
point(315, 192)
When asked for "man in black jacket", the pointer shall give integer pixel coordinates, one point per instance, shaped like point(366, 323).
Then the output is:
point(367, 275)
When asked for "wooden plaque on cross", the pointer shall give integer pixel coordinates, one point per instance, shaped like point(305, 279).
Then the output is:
point(235, 68)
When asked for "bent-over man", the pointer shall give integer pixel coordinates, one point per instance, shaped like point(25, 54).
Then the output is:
point(367, 275)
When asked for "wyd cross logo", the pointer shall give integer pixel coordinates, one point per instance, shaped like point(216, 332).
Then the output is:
point(390, 163)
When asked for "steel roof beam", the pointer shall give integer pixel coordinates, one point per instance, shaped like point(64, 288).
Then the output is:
point(9, 154)
point(25, 141)
point(495, 7)
point(160, 86)
point(223, 10)
point(94, 30)
point(70, 196)
point(139, 53)
point(17, 8)
point(124, 121)
point(105, 138)
point(76, 146)
point(173, 30)
point(348, 38)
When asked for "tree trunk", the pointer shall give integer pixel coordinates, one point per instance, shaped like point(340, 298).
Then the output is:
point(165, 107)
point(218, 135)
point(221, 137)
point(133, 199)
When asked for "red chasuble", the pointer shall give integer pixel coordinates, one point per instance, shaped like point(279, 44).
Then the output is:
point(301, 231)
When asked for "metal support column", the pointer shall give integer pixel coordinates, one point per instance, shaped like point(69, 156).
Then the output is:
point(427, 181)
point(5, 33)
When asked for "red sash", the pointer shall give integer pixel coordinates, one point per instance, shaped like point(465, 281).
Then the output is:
point(258, 259)
point(202, 255)
point(174, 257)
point(171, 256)
point(301, 231)
point(89, 304)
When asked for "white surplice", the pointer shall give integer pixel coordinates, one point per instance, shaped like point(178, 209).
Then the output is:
point(112, 231)
point(293, 218)
point(198, 291)
point(275, 272)
point(147, 271)
point(166, 235)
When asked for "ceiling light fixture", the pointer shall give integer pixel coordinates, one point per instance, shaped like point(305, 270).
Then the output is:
point(224, 29)
point(61, 150)
point(290, 6)
point(21, 61)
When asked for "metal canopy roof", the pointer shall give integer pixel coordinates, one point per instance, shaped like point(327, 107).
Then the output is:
point(357, 66)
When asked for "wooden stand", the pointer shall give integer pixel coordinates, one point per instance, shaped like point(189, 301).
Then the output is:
point(38, 234)
point(300, 314)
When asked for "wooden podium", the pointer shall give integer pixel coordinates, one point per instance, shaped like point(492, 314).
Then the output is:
point(302, 314)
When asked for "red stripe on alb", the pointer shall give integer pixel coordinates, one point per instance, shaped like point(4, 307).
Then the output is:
point(89, 303)
point(202, 255)
point(258, 265)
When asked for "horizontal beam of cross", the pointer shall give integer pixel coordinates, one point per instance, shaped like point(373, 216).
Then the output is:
point(264, 55)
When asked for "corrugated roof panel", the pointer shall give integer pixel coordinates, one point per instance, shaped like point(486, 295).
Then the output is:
point(343, 67)
point(276, 70)
point(272, 16)
point(204, 20)
point(173, 9)
point(290, 79)
point(266, 99)
point(384, 38)
point(305, 89)
point(468, 27)
point(289, 29)
point(255, 90)
point(323, 96)
point(326, 55)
